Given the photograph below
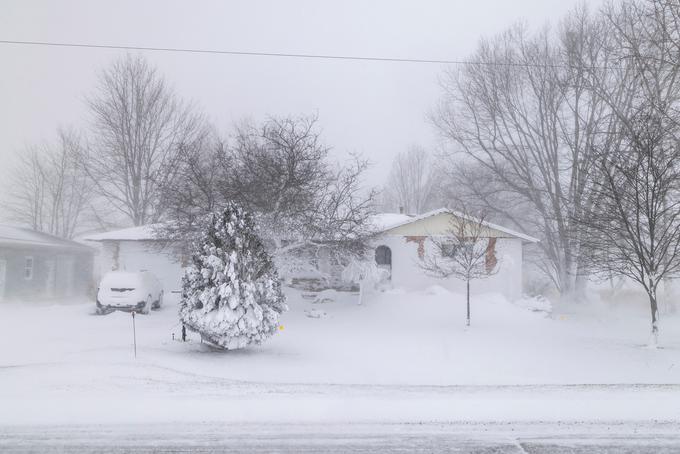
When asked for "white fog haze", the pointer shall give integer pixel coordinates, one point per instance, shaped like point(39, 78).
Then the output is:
point(374, 108)
point(296, 226)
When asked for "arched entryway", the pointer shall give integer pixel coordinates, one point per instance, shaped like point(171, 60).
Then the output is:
point(383, 258)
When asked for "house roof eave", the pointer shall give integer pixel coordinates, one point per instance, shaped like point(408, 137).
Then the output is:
point(512, 234)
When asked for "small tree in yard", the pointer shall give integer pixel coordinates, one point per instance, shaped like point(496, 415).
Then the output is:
point(634, 230)
point(231, 295)
point(462, 253)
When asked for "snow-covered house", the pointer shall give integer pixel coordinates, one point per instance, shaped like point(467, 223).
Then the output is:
point(137, 249)
point(36, 265)
point(399, 244)
point(402, 242)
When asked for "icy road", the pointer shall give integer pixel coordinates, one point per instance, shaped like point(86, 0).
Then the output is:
point(421, 438)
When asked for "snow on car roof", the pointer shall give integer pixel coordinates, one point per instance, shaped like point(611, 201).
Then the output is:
point(121, 274)
point(120, 278)
point(139, 233)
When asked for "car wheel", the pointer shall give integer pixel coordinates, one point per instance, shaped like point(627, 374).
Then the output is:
point(159, 303)
point(147, 306)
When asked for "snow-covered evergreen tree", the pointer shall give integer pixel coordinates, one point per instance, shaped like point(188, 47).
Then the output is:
point(231, 295)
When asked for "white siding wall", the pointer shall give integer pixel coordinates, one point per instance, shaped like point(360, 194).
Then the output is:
point(407, 273)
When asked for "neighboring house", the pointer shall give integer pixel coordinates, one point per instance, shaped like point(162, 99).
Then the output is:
point(35, 265)
point(403, 241)
point(137, 249)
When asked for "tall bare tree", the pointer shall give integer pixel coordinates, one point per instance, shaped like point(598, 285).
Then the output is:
point(194, 190)
point(281, 172)
point(634, 229)
point(277, 169)
point(49, 190)
point(523, 114)
point(411, 182)
point(139, 127)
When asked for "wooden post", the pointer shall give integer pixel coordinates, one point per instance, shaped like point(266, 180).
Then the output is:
point(134, 333)
point(467, 323)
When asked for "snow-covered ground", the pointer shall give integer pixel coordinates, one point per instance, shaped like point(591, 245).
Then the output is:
point(399, 357)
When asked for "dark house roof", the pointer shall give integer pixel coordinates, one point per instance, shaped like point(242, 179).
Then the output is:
point(11, 236)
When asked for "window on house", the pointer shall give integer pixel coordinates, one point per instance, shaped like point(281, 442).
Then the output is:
point(28, 268)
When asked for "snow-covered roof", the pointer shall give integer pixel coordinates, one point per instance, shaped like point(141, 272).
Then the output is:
point(139, 233)
point(385, 221)
point(410, 219)
point(21, 236)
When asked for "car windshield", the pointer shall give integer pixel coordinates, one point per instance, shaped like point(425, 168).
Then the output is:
point(121, 280)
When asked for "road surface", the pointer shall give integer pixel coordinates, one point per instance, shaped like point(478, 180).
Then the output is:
point(482, 438)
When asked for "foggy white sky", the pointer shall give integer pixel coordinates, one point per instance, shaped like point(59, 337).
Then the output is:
point(377, 109)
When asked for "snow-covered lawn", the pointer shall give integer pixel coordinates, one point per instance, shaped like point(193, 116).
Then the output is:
point(398, 357)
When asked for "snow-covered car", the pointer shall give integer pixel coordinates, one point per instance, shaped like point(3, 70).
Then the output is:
point(131, 291)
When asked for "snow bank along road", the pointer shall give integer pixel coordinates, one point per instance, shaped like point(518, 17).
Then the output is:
point(512, 438)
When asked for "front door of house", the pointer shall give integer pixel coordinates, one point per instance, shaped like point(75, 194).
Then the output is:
point(383, 258)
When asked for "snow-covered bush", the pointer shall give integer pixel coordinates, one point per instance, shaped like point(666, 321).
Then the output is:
point(364, 272)
point(231, 294)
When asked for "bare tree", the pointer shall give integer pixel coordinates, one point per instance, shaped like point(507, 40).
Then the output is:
point(49, 190)
point(634, 230)
point(280, 171)
point(463, 252)
point(523, 113)
point(193, 191)
point(411, 183)
point(277, 169)
point(139, 127)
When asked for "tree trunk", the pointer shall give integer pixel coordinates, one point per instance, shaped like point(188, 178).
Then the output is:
point(580, 286)
point(654, 340)
point(361, 292)
point(566, 287)
point(467, 321)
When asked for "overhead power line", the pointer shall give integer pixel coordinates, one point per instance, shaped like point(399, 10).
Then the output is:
point(272, 54)
point(231, 52)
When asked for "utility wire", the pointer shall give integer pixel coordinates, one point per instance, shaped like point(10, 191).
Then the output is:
point(277, 54)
